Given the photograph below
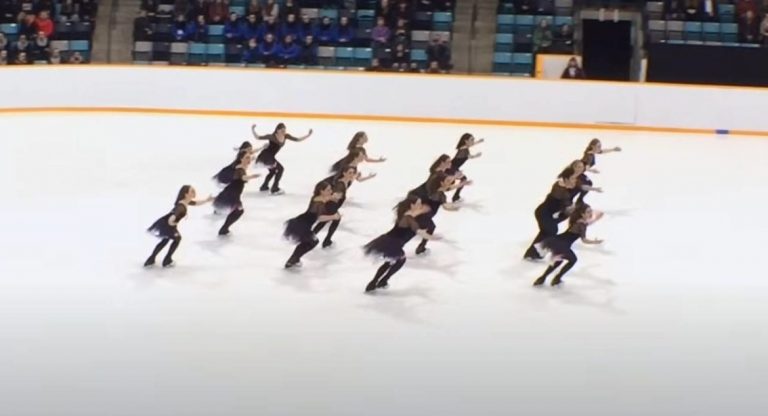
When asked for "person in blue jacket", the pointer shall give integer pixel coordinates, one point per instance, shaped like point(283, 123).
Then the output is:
point(232, 32)
point(345, 33)
point(288, 51)
point(252, 52)
point(269, 27)
point(249, 28)
point(268, 49)
point(197, 31)
point(291, 27)
point(307, 27)
point(326, 33)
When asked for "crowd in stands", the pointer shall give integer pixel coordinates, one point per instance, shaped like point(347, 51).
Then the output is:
point(281, 34)
point(30, 29)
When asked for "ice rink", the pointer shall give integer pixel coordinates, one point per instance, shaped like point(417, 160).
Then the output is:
point(668, 317)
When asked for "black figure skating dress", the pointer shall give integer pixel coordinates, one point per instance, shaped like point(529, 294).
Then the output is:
point(230, 198)
point(339, 165)
point(548, 214)
point(225, 176)
point(299, 229)
point(390, 245)
point(560, 247)
point(267, 156)
point(162, 229)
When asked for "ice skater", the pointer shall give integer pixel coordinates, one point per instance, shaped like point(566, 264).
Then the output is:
point(595, 147)
point(266, 157)
point(463, 154)
point(560, 246)
point(166, 227)
point(357, 143)
point(340, 183)
point(556, 204)
point(229, 200)
point(299, 228)
point(390, 245)
point(435, 198)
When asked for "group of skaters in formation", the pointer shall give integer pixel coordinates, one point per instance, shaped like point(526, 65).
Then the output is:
point(414, 215)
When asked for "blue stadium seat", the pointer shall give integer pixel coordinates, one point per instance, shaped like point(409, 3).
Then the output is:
point(538, 19)
point(522, 63)
point(729, 32)
point(711, 31)
point(366, 19)
point(240, 10)
point(363, 56)
point(80, 45)
point(505, 23)
point(215, 33)
point(9, 28)
point(674, 30)
point(504, 42)
point(726, 12)
point(333, 14)
point(502, 62)
point(345, 56)
point(442, 21)
point(418, 55)
point(366, 14)
point(215, 52)
point(524, 25)
point(196, 53)
point(563, 20)
point(692, 31)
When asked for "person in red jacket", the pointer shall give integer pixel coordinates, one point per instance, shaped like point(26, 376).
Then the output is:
point(44, 23)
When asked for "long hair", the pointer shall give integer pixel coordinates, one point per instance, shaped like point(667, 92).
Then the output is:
point(356, 138)
point(434, 182)
point(240, 156)
point(182, 193)
point(591, 145)
point(403, 206)
point(280, 126)
point(440, 160)
point(463, 140)
point(246, 145)
point(340, 174)
point(577, 214)
point(567, 173)
point(320, 187)
point(346, 160)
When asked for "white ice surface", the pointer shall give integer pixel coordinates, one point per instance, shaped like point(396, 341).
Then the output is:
point(667, 318)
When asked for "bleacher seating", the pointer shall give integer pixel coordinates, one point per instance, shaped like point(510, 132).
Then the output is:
point(215, 48)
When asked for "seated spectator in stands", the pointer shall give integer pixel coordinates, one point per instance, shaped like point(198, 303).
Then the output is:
point(3, 57)
point(27, 24)
point(217, 12)
point(307, 27)
point(326, 32)
point(290, 7)
point(76, 58)
point(268, 27)
point(232, 32)
point(403, 67)
point(414, 68)
point(251, 54)
point(309, 51)
point(744, 6)
point(380, 34)
point(674, 9)
point(573, 70)
point(68, 12)
point(254, 7)
point(763, 31)
point(545, 6)
point(3, 42)
point(21, 59)
point(54, 57)
point(39, 49)
point(250, 27)
point(375, 66)
point(87, 11)
point(291, 27)
point(268, 49)
point(21, 46)
point(402, 12)
point(288, 52)
point(181, 7)
point(199, 7)
point(142, 31)
point(542, 37)
point(271, 9)
point(434, 68)
point(385, 9)
point(524, 6)
point(197, 31)
point(400, 55)
point(692, 10)
point(564, 39)
point(179, 28)
point(345, 33)
point(401, 34)
point(438, 51)
point(749, 28)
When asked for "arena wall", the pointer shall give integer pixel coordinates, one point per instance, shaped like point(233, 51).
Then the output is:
point(387, 97)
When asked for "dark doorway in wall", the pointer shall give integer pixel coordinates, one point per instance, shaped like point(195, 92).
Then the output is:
point(607, 49)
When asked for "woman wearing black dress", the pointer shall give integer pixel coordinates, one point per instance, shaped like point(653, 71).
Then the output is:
point(463, 154)
point(341, 183)
point(583, 186)
point(358, 143)
point(166, 227)
point(557, 201)
point(230, 198)
point(441, 165)
point(267, 156)
point(299, 229)
point(560, 246)
point(390, 245)
point(435, 198)
point(588, 159)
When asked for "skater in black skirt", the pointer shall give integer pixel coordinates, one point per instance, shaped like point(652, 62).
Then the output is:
point(267, 156)
point(584, 184)
point(299, 229)
point(441, 165)
point(166, 227)
point(547, 213)
point(463, 154)
point(230, 198)
point(435, 198)
point(357, 143)
point(390, 245)
point(353, 158)
point(340, 183)
point(595, 147)
point(560, 246)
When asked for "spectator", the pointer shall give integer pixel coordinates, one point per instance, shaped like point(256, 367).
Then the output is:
point(375, 66)
point(271, 9)
point(573, 70)
point(401, 56)
point(251, 53)
point(250, 27)
point(197, 31)
point(54, 57)
point(40, 47)
point(345, 33)
point(254, 7)
point(385, 10)
point(21, 46)
point(179, 28)
point(68, 12)
point(268, 27)
point(542, 37)
point(402, 12)
point(414, 68)
point(288, 52)
point(181, 7)
point(232, 33)
point(402, 67)
point(438, 51)
point(76, 58)
point(401, 34)
point(21, 59)
point(291, 27)
point(749, 28)
point(289, 8)
point(268, 48)
point(380, 34)
point(142, 31)
point(307, 27)
point(674, 9)
point(325, 32)
point(3, 42)
point(309, 51)
point(763, 31)
point(3, 57)
point(88, 9)
point(27, 24)
point(692, 10)
point(199, 8)
point(434, 68)
point(564, 39)
point(218, 11)
point(744, 6)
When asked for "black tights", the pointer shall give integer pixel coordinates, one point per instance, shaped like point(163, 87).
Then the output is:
point(231, 219)
point(423, 245)
point(160, 246)
point(303, 248)
point(331, 230)
point(547, 228)
point(570, 260)
point(276, 172)
point(383, 274)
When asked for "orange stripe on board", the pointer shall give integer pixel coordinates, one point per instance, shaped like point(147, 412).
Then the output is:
point(375, 118)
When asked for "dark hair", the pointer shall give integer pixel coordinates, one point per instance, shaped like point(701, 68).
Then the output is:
point(346, 160)
point(566, 173)
point(182, 193)
point(577, 213)
point(403, 206)
point(345, 170)
point(591, 144)
point(435, 181)
point(575, 162)
point(280, 126)
point(320, 187)
point(463, 140)
point(246, 145)
point(356, 138)
point(240, 156)
point(440, 160)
